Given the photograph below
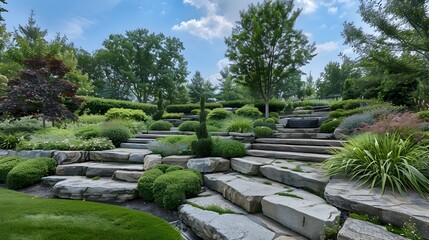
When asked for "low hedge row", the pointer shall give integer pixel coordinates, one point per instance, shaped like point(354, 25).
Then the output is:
point(187, 108)
point(126, 114)
point(275, 105)
point(30, 172)
point(353, 103)
point(235, 103)
point(93, 105)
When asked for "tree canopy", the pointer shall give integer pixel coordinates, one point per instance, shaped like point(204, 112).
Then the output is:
point(200, 87)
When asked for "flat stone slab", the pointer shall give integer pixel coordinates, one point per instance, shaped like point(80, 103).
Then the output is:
point(134, 145)
point(140, 140)
point(354, 229)
point(297, 130)
point(69, 157)
point(7, 152)
point(95, 190)
point(308, 142)
point(209, 164)
point(249, 165)
point(389, 208)
point(127, 176)
point(294, 148)
point(151, 161)
point(176, 160)
point(243, 191)
point(304, 175)
point(109, 156)
point(92, 169)
point(302, 212)
point(35, 153)
point(52, 180)
point(311, 157)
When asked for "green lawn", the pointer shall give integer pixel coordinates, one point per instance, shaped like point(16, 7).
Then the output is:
point(26, 217)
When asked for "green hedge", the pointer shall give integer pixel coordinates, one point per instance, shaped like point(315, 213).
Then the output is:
point(263, 132)
point(126, 114)
point(219, 114)
point(93, 105)
point(353, 103)
point(275, 105)
point(145, 183)
point(30, 172)
point(160, 125)
point(330, 125)
point(249, 112)
point(187, 108)
point(235, 103)
point(7, 163)
point(228, 148)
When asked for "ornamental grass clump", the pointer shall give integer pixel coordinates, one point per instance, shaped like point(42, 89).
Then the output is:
point(383, 160)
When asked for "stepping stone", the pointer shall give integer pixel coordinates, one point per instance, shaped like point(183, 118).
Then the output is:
point(241, 190)
point(136, 155)
point(95, 190)
point(389, 208)
point(294, 148)
point(209, 164)
point(35, 153)
point(140, 140)
point(302, 212)
point(249, 165)
point(151, 161)
point(308, 142)
point(310, 157)
point(127, 176)
point(354, 229)
point(109, 156)
point(176, 160)
point(305, 135)
point(155, 136)
point(298, 130)
point(134, 145)
point(92, 169)
point(68, 157)
point(52, 180)
point(308, 175)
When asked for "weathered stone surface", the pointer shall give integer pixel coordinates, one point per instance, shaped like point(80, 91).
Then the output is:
point(52, 180)
point(309, 142)
point(109, 156)
point(176, 160)
point(69, 157)
point(211, 225)
point(237, 134)
point(134, 145)
point(297, 174)
point(311, 157)
point(302, 212)
point(340, 133)
point(92, 169)
point(249, 165)
point(209, 164)
point(137, 157)
point(283, 121)
point(243, 191)
point(35, 153)
point(389, 208)
point(354, 229)
point(151, 161)
point(7, 152)
point(95, 190)
point(294, 148)
point(127, 176)
point(211, 198)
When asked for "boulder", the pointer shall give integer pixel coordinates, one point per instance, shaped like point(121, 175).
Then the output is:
point(151, 161)
point(209, 164)
point(127, 176)
point(69, 157)
point(137, 157)
point(109, 156)
point(176, 160)
point(354, 229)
point(249, 165)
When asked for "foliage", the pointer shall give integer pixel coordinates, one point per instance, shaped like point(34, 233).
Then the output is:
point(189, 126)
point(353, 103)
point(145, 183)
point(10, 141)
point(160, 107)
point(274, 115)
point(27, 125)
point(263, 132)
point(424, 115)
point(382, 160)
point(67, 144)
point(249, 112)
point(202, 147)
point(265, 123)
point(173, 168)
point(229, 90)
point(161, 125)
point(357, 120)
point(7, 163)
point(200, 87)
point(238, 124)
point(345, 113)
point(93, 105)
point(213, 208)
point(116, 133)
point(126, 114)
point(187, 108)
point(234, 103)
point(275, 105)
point(228, 148)
point(219, 114)
point(172, 188)
point(92, 119)
point(331, 232)
point(187, 139)
point(261, 28)
point(167, 115)
point(89, 131)
point(330, 125)
point(30, 172)
point(197, 111)
point(2, 10)
point(169, 149)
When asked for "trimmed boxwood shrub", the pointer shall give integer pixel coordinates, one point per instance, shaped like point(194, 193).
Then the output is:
point(126, 114)
point(264, 123)
point(197, 111)
point(30, 172)
point(93, 105)
point(219, 114)
point(7, 163)
point(239, 124)
point(248, 111)
point(172, 188)
point(228, 148)
point(167, 115)
point(275, 105)
point(161, 125)
point(89, 131)
point(189, 126)
point(173, 168)
point(116, 133)
point(235, 103)
point(330, 125)
point(263, 132)
point(145, 183)
point(187, 108)
point(274, 115)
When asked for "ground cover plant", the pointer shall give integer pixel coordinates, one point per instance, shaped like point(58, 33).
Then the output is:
point(28, 217)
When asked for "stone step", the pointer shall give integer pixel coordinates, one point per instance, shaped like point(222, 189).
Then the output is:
point(103, 189)
point(294, 148)
point(305, 175)
point(155, 136)
point(236, 224)
point(127, 176)
point(305, 135)
point(357, 229)
point(122, 155)
point(160, 134)
point(140, 140)
point(135, 145)
point(249, 165)
point(307, 157)
point(309, 142)
point(298, 130)
point(389, 208)
point(93, 169)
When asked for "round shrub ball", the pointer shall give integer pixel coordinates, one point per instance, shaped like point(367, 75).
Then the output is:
point(174, 168)
point(160, 125)
point(89, 131)
point(189, 126)
point(7, 163)
point(228, 148)
point(263, 132)
point(145, 183)
point(264, 123)
point(117, 134)
point(30, 172)
point(250, 112)
point(330, 125)
point(219, 114)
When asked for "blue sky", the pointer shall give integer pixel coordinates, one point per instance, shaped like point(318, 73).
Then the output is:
point(200, 24)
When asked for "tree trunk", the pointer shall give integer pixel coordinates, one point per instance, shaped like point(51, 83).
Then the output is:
point(267, 108)
point(43, 121)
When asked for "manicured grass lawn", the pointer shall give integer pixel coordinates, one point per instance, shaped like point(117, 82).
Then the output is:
point(25, 217)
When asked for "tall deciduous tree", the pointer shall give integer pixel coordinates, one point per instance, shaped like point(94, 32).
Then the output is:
point(2, 9)
point(265, 47)
point(228, 89)
point(200, 87)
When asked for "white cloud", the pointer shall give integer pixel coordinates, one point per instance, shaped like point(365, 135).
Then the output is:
point(75, 27)
point(214, 79)
point(308, 34)
point(333, 10)
point(221, 64)
point(308, 6)
point(327, 47)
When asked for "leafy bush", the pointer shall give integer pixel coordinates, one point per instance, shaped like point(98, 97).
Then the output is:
point(330, 125)
point(202, 147)
point(145, 183)
point(353, 103)
point(116, 133)
point(383, 160)
point(189, 126)
point(92, 119)
point(235, 103)
point(264, 123)
point(67, 144)
point(89, 131)
point(27, 125)
point(94, 144)
point(249, 112)
point(126, 114)
point(10, 141)
point(274, 115)
point(172, 188)
point(93, 105)
point(275, 105)
point(161, 125)
point(197, 111)
point(228, 148)
point(169, 149)
point(271, 120)
point(167, 115)
point(186, 139)
point(238, 124)
point(357, 120)
point(263, 132)
point(187, 108)
point(174, 168)
point(7, 163)
point(30, 172)
point(219, 114)
point(424, 115)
